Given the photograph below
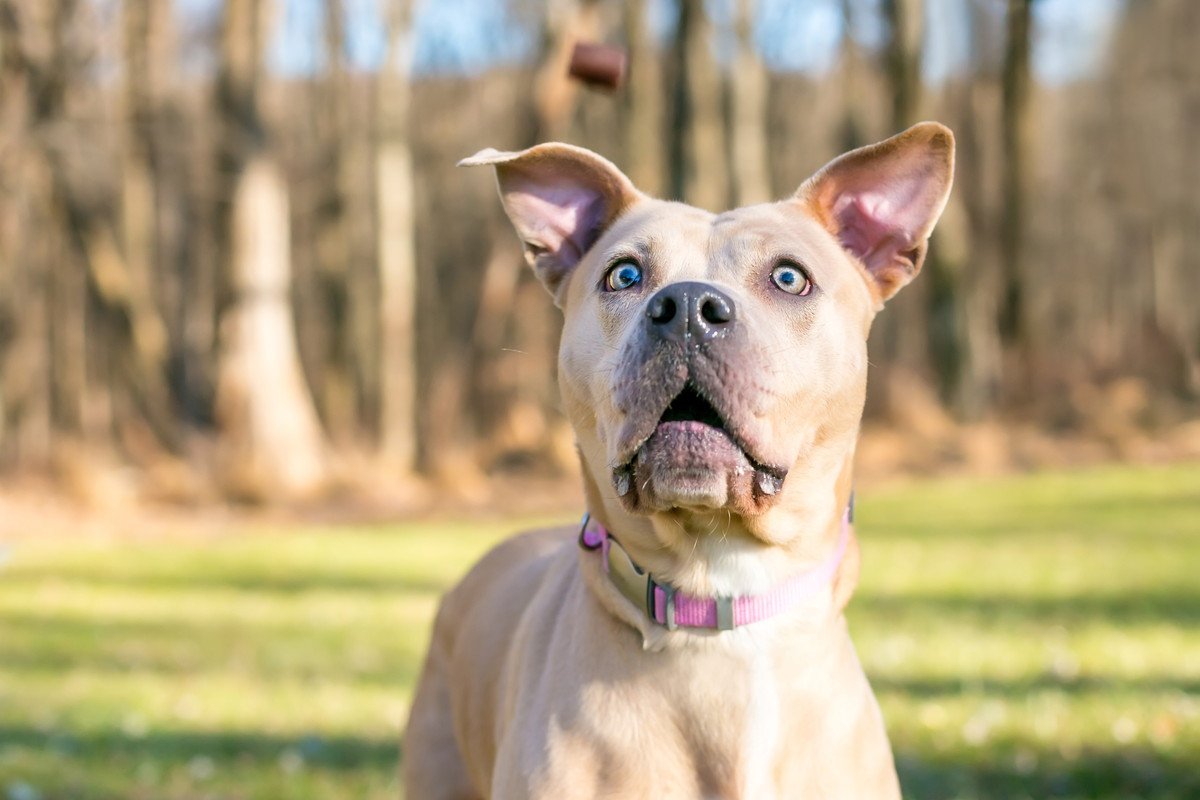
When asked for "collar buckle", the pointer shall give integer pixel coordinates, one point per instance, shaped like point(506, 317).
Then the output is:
point(683, 610)
point(724, 612)
point(668, 602)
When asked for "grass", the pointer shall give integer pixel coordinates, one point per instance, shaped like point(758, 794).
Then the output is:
point(1030, 637)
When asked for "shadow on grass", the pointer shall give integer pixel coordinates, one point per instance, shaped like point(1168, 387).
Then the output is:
point(285, 584)
point(1152, 519)
point(46, 643)
point(924, 688)
point(337, 753)
point(1005, 772)
point(1013, 772)
point(1118, 609)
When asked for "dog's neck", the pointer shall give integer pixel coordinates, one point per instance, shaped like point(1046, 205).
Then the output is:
point(717, 552)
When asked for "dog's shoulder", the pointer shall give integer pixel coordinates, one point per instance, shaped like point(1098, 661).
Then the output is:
point(519, 553)
point(509, 573)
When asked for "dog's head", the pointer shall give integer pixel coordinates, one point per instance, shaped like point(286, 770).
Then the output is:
point(717, 363)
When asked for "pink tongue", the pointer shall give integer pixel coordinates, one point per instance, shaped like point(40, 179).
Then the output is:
point(686, 425)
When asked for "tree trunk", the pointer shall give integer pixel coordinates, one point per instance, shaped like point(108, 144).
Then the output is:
point(981, 350)
point(701, 165)
point(903, 57)
point(263, 405)
point(137, 259)
point(397, 246)
point(752, 180)
point(643, 123)
point(137, 190)
point(25, 430)
point(697, 141)
point(271, 440)
point(853, 129)
point(1016, 139)
point(906, 326)
point(337, 386)
point(555, 93)
point(27, 377)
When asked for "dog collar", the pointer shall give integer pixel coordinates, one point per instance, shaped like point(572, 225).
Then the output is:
point(669, 607)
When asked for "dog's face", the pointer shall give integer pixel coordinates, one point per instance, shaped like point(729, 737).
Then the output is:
point(717, 363)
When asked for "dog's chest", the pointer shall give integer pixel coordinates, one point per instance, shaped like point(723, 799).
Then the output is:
point(709, 729)
point(730, 717)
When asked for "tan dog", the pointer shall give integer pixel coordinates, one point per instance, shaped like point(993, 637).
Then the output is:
point(714, 368)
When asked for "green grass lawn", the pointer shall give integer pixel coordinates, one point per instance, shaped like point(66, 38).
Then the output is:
point(1028, 637)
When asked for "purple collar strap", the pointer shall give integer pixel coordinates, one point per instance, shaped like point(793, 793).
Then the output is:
point(667, 606)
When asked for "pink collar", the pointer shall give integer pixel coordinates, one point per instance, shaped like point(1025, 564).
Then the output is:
point(667, 606)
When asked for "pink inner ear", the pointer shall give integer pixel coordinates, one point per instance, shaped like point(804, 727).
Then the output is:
point(864, 229)
point(561, 219)
point(877, 225)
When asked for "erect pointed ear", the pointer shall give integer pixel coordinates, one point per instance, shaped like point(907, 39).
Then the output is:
point(882, 201)
point(560, 198)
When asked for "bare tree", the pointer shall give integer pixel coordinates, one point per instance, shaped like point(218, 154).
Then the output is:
point(977, 384)
point(699, 158)
point(336, 385)
point(270, 435)
point(397, 244)
point(748, 102)
point(24, 358)
point(555, 95)
point(134, 277)
point(904, 331)
point(1016, 140)
point(105, 338)
point(145, 295)
point(902, 56)
point(643, 123)
point(851, 68)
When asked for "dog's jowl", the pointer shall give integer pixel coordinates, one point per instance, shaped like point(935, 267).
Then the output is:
point(688, 639)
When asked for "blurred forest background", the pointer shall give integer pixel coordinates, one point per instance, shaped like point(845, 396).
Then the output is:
point(236, 258)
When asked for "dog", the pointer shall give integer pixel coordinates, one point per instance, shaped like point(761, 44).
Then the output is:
point(688, 640)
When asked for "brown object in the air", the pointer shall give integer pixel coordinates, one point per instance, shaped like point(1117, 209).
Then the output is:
point(601, 66)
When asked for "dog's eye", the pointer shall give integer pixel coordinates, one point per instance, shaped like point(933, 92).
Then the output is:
point(791, 279)
point(622, 275)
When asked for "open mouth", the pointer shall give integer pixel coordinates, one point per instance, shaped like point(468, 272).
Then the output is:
point(691, 406)
point(691, 444)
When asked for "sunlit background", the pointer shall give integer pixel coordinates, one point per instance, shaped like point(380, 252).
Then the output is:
point(273, 371)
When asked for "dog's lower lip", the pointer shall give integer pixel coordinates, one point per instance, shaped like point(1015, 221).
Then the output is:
point(770, 478)
point(691, 410)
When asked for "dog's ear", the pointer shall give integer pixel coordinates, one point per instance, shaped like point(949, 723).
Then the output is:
point(882, 201)
point(560, 198)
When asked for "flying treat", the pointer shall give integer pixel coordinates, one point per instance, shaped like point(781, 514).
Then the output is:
point(601, 66)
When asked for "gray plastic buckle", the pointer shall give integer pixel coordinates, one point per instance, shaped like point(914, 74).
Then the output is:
point(725, 613)
point(669, 595)
point(669, 614)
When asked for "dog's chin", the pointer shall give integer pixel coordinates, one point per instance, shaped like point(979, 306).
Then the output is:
point(692, 465)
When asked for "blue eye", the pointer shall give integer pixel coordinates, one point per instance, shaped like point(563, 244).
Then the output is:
point(791, 279)
point(622, 275)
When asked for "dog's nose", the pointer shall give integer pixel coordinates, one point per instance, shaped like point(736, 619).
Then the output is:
point(690, 308)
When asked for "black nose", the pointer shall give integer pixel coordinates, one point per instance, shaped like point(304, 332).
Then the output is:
point(690, 309)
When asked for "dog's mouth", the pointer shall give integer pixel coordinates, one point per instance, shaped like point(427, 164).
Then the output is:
point(693, 457)
point(691, 406)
